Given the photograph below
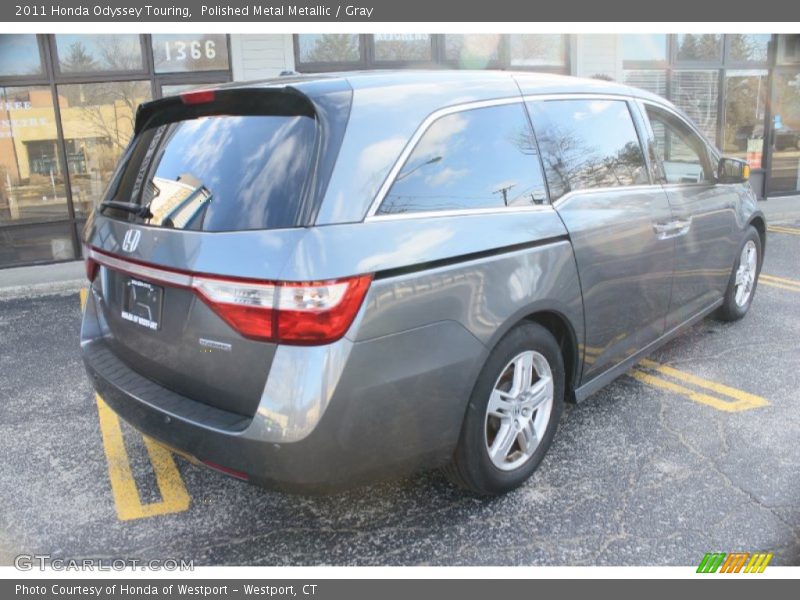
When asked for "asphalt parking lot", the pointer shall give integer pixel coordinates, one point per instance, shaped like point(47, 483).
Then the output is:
point(692, 452)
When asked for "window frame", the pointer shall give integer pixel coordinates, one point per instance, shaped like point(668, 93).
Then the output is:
point(637, 120)
point(40, 78)
point(90, 76)
point(329, 67)
point(698, 64)
point(734, 65)
point(710, 156)
point(411, 145)
point(51, 78)
point(438, 58)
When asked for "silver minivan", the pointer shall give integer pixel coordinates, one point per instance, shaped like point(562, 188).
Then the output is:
point(315, 281)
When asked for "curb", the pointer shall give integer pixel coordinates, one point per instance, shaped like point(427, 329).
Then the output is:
point(59, 288)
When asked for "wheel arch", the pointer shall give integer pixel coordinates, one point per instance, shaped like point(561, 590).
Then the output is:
point(561, 328)
point(760, 223)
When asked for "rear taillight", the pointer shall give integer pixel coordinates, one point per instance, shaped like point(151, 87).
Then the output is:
point(299, 313)
point(198, 97)
point(317, 312)
point(91, 266)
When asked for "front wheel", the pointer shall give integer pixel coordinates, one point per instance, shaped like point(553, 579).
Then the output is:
point(512, 414)
point(743, 280)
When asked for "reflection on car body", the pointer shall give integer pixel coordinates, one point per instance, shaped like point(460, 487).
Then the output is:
point(405, 269)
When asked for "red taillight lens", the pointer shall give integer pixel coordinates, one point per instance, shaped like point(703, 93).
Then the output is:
point(197, 97)
point(299, 313)
point(246, 306)
point(91, 268)
point(226, 470)
point(319, 313)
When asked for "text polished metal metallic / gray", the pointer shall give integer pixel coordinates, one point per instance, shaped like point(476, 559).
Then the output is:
point(451, 270)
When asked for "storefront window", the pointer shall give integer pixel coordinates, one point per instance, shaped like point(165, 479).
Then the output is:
point(745, 101)
point(747, 48)
point(697, 92)
point(785, 175)
point(45, 242)
point(789, 49)
point(472, 51)
point(19, 55)
point(97, 119)
point(31, 180)
point(99, 53)
point(174, 53)
point(402, 47)
point(538, 50)
point(654, 81)
point(328, 48)
point(650, 48)
point(698, 47)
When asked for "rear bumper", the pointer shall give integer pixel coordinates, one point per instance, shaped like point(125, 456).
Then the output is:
point(329, 416)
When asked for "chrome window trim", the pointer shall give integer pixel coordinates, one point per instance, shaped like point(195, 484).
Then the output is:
point(711, 150)
point(606, 190)
point(412, 143)
point(629, 100)
point(437, 114)
point(459, 212)
point(139, 270)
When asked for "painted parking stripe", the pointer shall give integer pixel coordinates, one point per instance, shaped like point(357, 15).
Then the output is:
point(703, 391)
point(784, 229)
point(174, 496)
point(782, 283)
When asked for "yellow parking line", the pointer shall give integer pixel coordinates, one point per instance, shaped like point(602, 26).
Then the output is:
point(82, 294)
point(727, 398)
point(783, 229)
point(174, 497)
point(780, 282)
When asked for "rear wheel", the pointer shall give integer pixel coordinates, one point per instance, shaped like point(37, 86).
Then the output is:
point(512, 414)
point(744, 278)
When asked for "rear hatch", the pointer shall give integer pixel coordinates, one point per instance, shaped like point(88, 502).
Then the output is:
point(210, 178)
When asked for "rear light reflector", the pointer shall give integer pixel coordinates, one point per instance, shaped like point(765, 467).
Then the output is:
point(91, 265)
point(197, 97)
point(315, 313)
point(226, 470)
point(245, 306)
point(297, 313)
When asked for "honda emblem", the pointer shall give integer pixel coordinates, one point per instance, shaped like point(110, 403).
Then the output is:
point(131, 240)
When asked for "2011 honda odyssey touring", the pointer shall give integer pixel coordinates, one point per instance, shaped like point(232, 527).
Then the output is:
point(316, 280)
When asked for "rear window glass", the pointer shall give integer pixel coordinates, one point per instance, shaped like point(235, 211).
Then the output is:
point(219, 173)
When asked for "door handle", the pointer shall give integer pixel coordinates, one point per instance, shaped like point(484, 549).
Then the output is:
point(672, 229)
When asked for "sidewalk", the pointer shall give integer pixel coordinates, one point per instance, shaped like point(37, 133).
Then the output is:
point(782, 209)
point(60, 278)
point(64, 278)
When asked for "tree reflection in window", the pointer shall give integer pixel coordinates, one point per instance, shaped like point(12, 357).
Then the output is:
point(481, 158)
point(588, 144)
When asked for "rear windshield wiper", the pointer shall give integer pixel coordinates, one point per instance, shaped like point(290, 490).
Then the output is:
point(136, 209)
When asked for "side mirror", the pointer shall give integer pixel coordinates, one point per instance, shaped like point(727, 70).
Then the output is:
point(732, 170)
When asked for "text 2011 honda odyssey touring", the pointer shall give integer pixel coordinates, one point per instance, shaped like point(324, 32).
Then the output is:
point(317, 280)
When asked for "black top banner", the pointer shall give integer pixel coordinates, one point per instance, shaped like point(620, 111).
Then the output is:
point(360, 11)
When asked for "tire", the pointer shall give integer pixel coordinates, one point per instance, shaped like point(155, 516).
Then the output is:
point(737, 301)
point(530, 419)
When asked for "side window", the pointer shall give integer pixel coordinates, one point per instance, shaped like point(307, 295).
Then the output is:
point(479, 158)
point(682, 151)
point(587, 144)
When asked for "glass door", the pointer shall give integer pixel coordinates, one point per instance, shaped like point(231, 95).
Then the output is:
point(785, 168)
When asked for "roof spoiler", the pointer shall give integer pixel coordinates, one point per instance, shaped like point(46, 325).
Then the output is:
point(276, 101)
